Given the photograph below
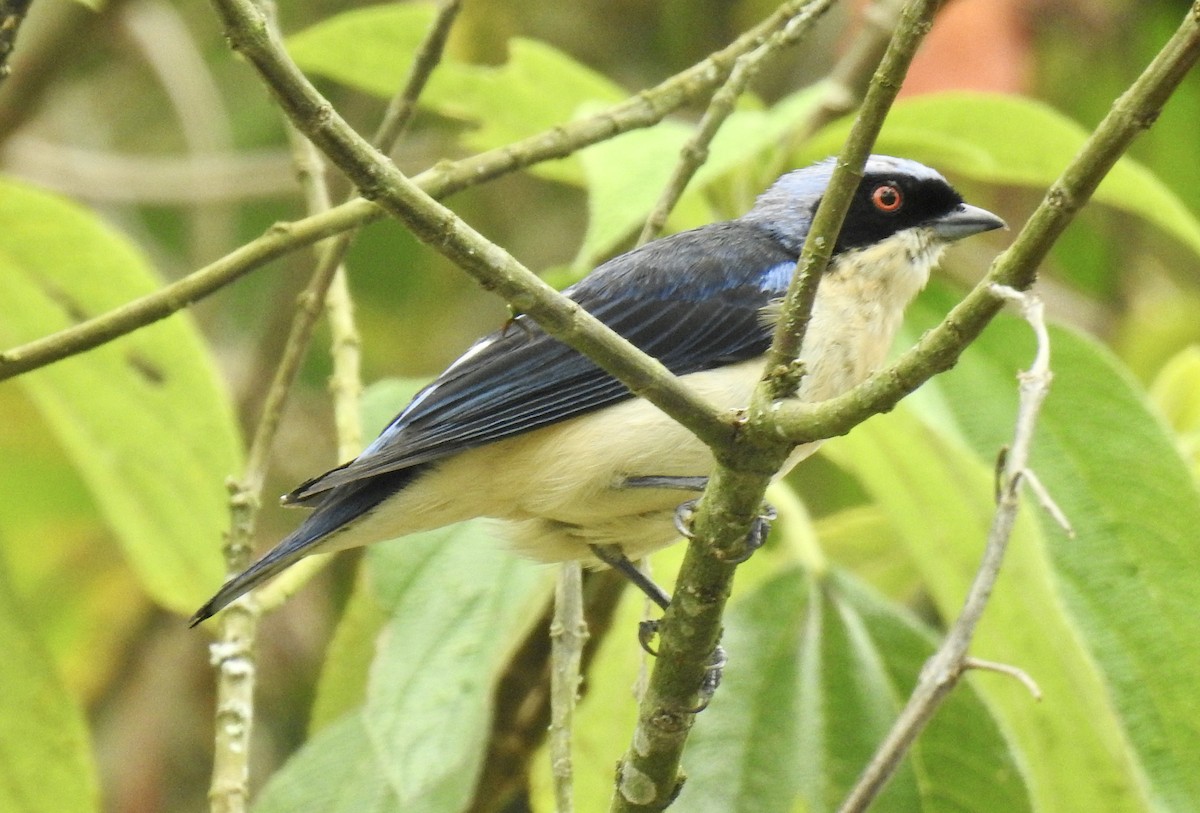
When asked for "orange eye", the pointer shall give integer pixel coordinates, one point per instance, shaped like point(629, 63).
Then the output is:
point(887, 198)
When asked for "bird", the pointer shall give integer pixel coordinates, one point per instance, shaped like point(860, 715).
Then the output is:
point(527, 431)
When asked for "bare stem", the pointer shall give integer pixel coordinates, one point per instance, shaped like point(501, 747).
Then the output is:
point(641, 110)
point(943, 671)
point(648, 777)
point(568, 634)
point(346, 382)
point(230, 791)
point(695, 152)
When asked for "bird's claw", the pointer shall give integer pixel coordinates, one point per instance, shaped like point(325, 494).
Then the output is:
point(683, 518)
point(760, 528)
point(646, 631)
point(712, 678)
point(713, 672)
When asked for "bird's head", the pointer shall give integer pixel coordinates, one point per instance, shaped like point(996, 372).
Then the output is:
point(896, 196)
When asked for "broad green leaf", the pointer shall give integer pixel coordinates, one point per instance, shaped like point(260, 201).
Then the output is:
point(1176, 393)
point(861, 540)
point(1130, 578)
point(938, 496)
point(988, 137)
point(336, 771)
point(823, 668)
point(45, 757)
point(626, 175)
point(83, 599)
point(538, 87)
point(457, 604)
point(144, 418)
point(343, 682)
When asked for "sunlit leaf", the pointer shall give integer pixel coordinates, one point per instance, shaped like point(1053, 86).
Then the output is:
point(144, 418)
point(1130, 578)
point(1176, 392)
point(1014, 140)
point(823, 668)
point(457, 604)
point(538, 87)
point(45, 757)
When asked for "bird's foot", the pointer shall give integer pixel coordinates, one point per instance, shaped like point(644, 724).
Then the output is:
point(713, 672)
point(712, 678)
point(647, 630)
point(684, 514)
point(760, 528)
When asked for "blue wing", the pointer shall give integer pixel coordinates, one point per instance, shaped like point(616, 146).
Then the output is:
point(693, 301)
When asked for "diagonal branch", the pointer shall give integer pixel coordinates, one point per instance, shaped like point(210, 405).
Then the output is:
point(436, 225)
point(642, 110)
point(648, 777)
point(938, 350)
point(947, 666)
point(695, 151)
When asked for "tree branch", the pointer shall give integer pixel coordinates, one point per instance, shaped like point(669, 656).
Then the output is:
point(695, 152)
point(642, 110)
point(648, 777)
point(938, 350)
point(437, 226)
point(943, 671)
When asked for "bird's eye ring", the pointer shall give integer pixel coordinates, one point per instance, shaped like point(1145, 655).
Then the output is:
point(887, 198)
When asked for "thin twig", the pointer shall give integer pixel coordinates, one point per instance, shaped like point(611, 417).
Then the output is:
point(346, 383)
point(648, 777)
point(429, 53)
point(568, 634)
point(843, 89)
point(1015, 672)
point(644, 109)
point(938, 350)
point(695, 151)
point(1047, 502)
point(230, 791)
point(943, 671)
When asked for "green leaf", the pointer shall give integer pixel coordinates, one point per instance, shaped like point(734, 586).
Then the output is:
point(45, 758)
point(337, 771)
point(343, 682)
point(1131, 576)
point(938, 496)
point(144, 418)
point(626, 175)
point(988, 137)
point(538, 87)
point(457, 604)
point(1176, 393)
point(817, 673)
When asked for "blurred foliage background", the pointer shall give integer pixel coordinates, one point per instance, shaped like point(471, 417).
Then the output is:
point(136, 110)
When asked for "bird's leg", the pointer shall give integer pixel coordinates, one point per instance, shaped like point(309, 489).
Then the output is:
point(666, 481)
point(615, 558)
point(760, 527)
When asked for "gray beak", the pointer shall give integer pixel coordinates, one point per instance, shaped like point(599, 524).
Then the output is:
point(964, 221)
